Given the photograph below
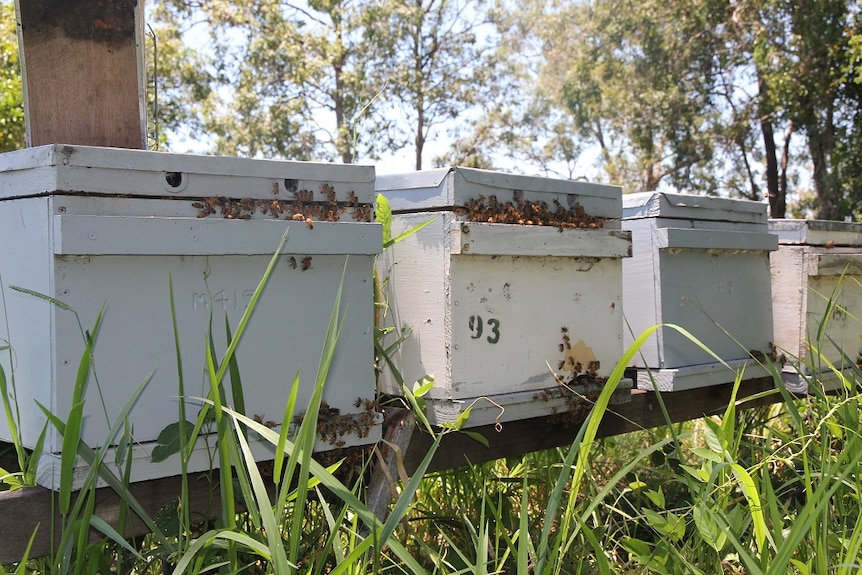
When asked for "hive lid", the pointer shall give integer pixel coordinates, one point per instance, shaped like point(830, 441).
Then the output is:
point(816, 232)
point(446, 188)
point(690, 207)
point(114, 171)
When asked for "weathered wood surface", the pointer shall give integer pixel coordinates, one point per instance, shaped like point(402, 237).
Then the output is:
point(81, 64)
point(22, 511)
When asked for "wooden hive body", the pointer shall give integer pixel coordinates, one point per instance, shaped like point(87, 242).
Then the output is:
point(487, 303)
point(702, 264)
point(818, 265)
point(93, 226)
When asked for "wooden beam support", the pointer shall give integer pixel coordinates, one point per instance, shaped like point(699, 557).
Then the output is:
point(82, 65)
point(25, 510)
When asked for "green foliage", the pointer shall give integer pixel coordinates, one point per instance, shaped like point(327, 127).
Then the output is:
point(11, 88)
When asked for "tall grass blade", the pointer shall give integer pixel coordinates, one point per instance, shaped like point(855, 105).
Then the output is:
point(182, 423)
point(308, 428)
point(246, 316)
point(12, 423)
point(338, 489)
point(270, 524)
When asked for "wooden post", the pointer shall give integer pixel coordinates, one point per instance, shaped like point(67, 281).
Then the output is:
point(82, 67)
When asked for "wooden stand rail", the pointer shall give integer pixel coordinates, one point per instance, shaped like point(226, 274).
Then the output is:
point(22, 511)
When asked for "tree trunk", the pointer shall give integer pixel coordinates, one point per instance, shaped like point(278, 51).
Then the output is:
point(776, 195)
point(820, 147)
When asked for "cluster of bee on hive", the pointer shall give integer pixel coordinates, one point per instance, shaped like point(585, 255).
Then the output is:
point(302, 208)
point(579, 401)
point(773, 355)
point(580, 386)
point(332, 426)
point(528, 213)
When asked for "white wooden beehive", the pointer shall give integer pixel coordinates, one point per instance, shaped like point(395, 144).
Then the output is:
point(817, 262)
point(701, 263)
point(487, 303)
point(93, 226)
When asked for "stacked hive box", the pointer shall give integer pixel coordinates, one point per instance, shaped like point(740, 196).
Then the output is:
point(94, 226)
point(700, 263)
point(816, 275)
point(514, 280)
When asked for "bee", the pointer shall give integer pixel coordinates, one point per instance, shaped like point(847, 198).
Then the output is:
point(757, 355)
point(329, 191)
point(310, 223)
point(561, 364)
point(566, 337)
point(306, 263)
point(275, 188)
point(297, 217)
point(292, 262)
point(358, 402)
point(351, 197)
point(562, 348)
point(613, 305)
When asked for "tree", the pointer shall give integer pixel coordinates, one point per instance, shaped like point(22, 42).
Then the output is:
point(179, 79)
point(707, 96)
point(431, 61)
point(12, 135)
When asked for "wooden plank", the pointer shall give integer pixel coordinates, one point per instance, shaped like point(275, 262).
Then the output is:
point(26, 509)
point(520, 437)
point(81, 65)
point(539, 241)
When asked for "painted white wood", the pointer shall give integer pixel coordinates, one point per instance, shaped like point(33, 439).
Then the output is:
point(816, 232)
point(471, 238)
point(447, 188)
point(106, 171)
point(696, 376)
point(708, 276)
point(817, 262)
point(486, 304)
point(515, 406)
point(122, 235)
point(714, 240)
point(61, 246)
point(693, 207)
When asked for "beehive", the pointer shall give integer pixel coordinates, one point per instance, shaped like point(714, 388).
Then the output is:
point(818, 265)
point(93, 226)
point(701, 263)
point(495, 309)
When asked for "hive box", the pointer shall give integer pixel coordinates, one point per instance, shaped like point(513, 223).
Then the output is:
point(495, 310)
point(701, 263)
point(818, 265)
point(96, 226)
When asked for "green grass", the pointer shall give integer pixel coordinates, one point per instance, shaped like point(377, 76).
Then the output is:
point(765, 490)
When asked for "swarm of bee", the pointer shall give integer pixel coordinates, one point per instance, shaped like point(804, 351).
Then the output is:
point(580, 387)
point(333, 426)
point(773, 355)
point(578, 400)
point(528, 213)
point(304, 208)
